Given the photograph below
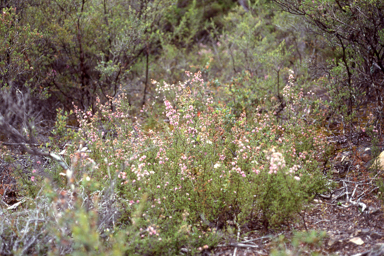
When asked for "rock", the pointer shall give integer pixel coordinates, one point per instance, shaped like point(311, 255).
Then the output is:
point(379, 162)
point(366, 157)
point(364, 153)
point(356, 240)
point(334, 243)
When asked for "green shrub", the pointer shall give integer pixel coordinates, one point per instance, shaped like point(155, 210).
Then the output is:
point(196, 163)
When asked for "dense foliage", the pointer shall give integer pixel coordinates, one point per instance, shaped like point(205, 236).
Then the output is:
point(157, 127)
point(355, 31)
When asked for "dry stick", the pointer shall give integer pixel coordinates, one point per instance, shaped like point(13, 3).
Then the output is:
point(18, 144)
point(238, 245)
point(379, 172)
point(372, 190)
point(359, 197)
point(238, 235)
point(303, 217)
point(263, 237)
point(346, 189)
point(325, 197)
point(362, 205)
point(341, 195)
point(369, 181)
point(1, 201)
point(353, 193)
point(243, 243)
point(320, 221)
point(331, 193)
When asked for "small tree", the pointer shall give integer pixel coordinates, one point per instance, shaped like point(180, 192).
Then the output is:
point(355, 30)
point(18, 45)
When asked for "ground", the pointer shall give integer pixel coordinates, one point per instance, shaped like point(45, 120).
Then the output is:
point(341, 224)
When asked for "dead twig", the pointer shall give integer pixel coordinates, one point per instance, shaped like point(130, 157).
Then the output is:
point(240, 245)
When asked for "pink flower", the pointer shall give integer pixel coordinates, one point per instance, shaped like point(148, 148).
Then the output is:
point(33, 171)
point(297, 178)
point(33, 178)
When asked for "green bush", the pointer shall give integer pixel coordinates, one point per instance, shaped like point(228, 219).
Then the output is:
point(253, 168)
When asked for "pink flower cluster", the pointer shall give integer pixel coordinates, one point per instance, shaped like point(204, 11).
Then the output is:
point(277, 162)
point(172, 114)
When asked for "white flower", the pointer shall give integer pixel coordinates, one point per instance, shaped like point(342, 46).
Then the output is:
point(217, 165)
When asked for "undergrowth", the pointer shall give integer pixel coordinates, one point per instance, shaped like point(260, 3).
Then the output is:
point(174, 184)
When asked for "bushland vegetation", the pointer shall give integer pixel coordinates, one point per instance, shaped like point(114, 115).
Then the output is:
point(162, 127)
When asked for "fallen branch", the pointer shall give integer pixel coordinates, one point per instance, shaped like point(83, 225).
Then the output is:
point(362, 205)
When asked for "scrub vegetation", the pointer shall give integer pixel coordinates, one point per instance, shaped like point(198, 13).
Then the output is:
point(169, 127)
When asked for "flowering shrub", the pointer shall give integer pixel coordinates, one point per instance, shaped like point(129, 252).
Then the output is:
point(190, 173)
point(254, 167)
